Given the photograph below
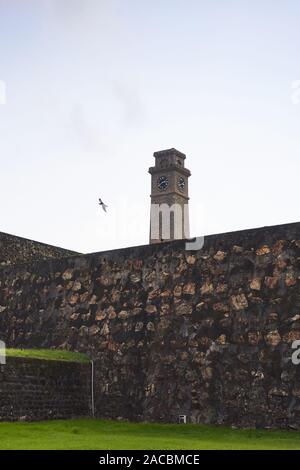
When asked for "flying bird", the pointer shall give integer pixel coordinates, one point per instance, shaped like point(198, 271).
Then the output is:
point(104, 206)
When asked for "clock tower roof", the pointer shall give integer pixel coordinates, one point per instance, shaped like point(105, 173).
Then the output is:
point(170, 159)
point(169, 152)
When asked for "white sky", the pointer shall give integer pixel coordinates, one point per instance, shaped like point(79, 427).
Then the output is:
point(94, 87)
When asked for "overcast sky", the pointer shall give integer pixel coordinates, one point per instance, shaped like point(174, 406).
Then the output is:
point(94, 87)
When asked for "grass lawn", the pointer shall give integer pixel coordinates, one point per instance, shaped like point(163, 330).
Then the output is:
point(48, 354)
point(108, 435)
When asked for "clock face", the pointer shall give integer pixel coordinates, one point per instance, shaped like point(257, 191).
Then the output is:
point(162, 183)
point(181, 183)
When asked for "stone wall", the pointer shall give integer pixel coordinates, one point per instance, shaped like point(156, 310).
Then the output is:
point(35, 389)
point(16, 250)
point(206, 333)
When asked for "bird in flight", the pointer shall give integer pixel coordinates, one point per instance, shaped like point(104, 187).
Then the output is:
point(104, 206)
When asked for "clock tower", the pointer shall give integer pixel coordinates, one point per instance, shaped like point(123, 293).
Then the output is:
point(169, 197)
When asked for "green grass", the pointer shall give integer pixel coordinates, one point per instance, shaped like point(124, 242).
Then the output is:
point(108, 435)
point(48, 354)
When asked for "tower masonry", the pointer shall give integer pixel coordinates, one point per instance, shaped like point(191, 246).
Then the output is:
point(169, 197)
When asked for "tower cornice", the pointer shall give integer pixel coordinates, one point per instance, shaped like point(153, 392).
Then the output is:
point(171, 193)
point(184, 171)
